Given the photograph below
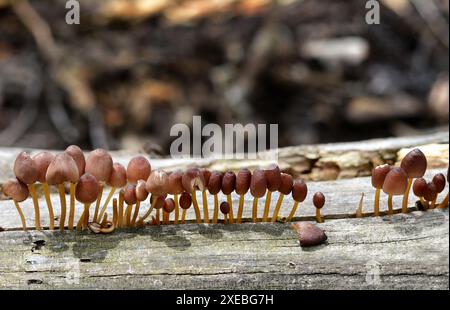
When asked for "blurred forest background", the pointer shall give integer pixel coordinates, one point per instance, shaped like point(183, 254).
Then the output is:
point(132, 68)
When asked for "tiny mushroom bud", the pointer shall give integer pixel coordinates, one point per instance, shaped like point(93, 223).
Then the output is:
point(175, 183)
point(78, 156)
point(319, 200)
point(100, 164)
point(16, 190)
point(299, 190)
point(273, 177)
point(228, 182)
point(158, 183)
point(86, 190)
point(62, 169)
point(139, 168)
point(25, 169)
point(42, 161)
point(193, 179)
point(258, 184)
point(129, 194)
point(185, 201)
point(118, 176)
point(439, 182)
point(419, 187)
point(141, 190)
point(379, 175)
point(430, 193)
point(414, 164)
point(225, 207)
point(169, 205)
point(215, 183)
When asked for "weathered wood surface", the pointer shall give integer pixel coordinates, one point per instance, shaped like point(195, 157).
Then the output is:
point(405, 251)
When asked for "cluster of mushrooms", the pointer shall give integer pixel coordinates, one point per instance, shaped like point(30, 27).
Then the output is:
point(87, 177)
point(396, 181)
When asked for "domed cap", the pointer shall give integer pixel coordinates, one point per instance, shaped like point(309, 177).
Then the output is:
point(118, 176)
point(206, 174)
point(129, 194)
point(16, 190)
point(185, 201)
point(439, 182)
point(139, 168)
point(286, 184)
point(396, 182)
point(193, 179)
point(25, 169)
point(100, 164)
point(169, 205)
point(158, 183)
point(62, 169)
point(414, 164)
point(299, 190)
point(225, 207)
point(86, 190)
point(243, 180)
point(379, 174)
point(430, 193)
point(141, 190)
point(215, 182)
point(319, 200)
point(176, 183)
point(273, 177)
point(78, 156)
point(258, 184)
point(228, 182)
point(419, 187)
point(42, 161)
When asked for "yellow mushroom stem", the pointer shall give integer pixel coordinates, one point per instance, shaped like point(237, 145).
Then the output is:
point(84, 218)
point(183, 216)
point(128, 215)
point(165, 218)
point(406, 197)
point(51, 214)
point(205, 207)
point(107, 201)
point(230, 216)
point(424, 203)
point(277, 208)
point(444, 203)
point(255, 210)
point(142, 218)
point(121, 202)
point(294, 209)
point(71, 206)
point(318, 216)
point(216, 209)
point(267, 206)
point(376, 206)
point(22, 217)
point(240, 208)
point(225, 219)
point(433, 204)
point(115, 213)
point(97, 203)
point(62, 198)
point(196, 208)
point(157, 216)
point(390, 205)
point(177, 208)
point(37, 214)
point(136, 213)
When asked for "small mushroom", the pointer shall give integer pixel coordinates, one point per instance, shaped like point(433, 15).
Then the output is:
point(414, 164)
point(206, 175)
point(243, 180)
point(86, 192)
point(378, 176)
point(18, 192)
point(228, 186)
point(175, 189)
point(138, 168)
point(42, 160)
point(141, 195)
point(185, 203)
point(430, 193)
point(100, 164)
point(439, 182)
point(169, 207)
point(64, 169)
point(444, 202)
point(193, 180)
point(285, 188)
point(117, 179)
point(273, 177)
point(258, 187)
point(78, 156)
point(225, 209)
point(157, 185)
point(395, 184)
point(129, 195)
point(299, 193)
point(319, 202)
point(158, 203)
point(309, 234)
point(26, 172)
point(214, 187)
point(419, 187)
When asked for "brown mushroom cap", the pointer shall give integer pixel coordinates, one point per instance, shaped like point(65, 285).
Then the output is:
point(225, 207)
point(185, 201)
point(419, 187)
point(258, 184)
point(309, 234)
point(100, 164)
point(319, 200)
point(430, 192)
point(299, 190)
point(439, 182)
point(16, 190)
point(193, 179)
point(228, 182)
point(139, 168)
point(379, 175)
point(175, 182)
point(160, 201)
point(87, 189)
point(118, 176)
point(62, 169)
point(273, 176)
point(169, 205)
point(206, 175)
point(25, 169)
point(42, 160)
point(243, 180)
point(286, 184)
point(158, 183)
point(414, 164)
point(396, 182)
point(78, 156)
point(129, 194)
point(141, 190)
point(215, 182)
